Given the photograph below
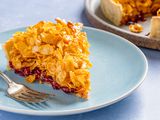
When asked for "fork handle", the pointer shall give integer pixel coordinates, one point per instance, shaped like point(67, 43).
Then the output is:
point(6, 78)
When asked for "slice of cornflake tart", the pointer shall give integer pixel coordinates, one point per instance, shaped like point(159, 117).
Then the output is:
point(54, 53)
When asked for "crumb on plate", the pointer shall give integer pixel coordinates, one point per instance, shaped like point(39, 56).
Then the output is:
point(136, 28)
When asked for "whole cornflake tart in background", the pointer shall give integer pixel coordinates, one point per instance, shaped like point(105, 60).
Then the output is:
point(122, 12)
point(54, 53)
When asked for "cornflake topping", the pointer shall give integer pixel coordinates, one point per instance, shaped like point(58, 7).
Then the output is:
point(56, 53)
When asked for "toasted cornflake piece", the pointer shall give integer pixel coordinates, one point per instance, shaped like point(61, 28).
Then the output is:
point(30, 78)
point(54, 53)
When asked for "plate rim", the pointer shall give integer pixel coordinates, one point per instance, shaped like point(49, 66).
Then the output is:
point(85, 109)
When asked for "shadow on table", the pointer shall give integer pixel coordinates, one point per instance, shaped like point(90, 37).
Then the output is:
point(125, 109)
point(152, 55)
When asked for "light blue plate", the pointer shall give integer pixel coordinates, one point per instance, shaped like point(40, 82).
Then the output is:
point(119, 67)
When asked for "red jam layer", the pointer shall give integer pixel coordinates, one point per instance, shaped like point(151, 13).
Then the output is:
point(136, 19)
point(41, 76)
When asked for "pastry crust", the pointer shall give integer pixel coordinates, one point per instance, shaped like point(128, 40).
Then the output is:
point(155, 27)
point(113, 11)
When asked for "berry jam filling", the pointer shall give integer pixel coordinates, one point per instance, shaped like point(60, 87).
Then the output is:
point(41, 76)
point(136, 19)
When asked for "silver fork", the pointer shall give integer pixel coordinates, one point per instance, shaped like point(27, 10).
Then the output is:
point(23, 93)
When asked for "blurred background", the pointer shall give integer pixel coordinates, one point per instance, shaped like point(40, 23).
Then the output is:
point(20, 13)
